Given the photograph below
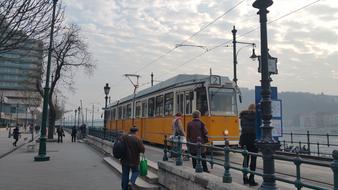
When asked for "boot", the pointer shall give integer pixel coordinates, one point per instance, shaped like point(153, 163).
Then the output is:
point(245, 179)
point(252, 180)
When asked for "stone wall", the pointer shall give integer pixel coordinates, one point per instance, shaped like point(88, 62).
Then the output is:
point(181, 177)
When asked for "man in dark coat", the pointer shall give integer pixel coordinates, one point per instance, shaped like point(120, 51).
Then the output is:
point(131, 160)
point(16, 134)
point(74, 131)
point(60, 133)
point(196, 129)
point(248, 138)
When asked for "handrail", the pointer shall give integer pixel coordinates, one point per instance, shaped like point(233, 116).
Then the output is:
point(299, 183)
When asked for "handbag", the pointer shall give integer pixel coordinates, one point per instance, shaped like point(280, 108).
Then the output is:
point(143, 166)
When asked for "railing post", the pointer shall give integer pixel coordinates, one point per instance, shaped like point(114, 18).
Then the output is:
point(308, 141)
point(291, 138)
point(284, 144)
point(212, 155)
point(298, 183)
point(328, 139)
point(198, 168)
point(245, 154)
point(318, 149)
point(227, 176)
point(179, 152)
point(334, 167)
point(165, 156)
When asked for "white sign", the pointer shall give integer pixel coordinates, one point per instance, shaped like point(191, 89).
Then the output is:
point(272, 65)
point(277, 127)
point(276, 108)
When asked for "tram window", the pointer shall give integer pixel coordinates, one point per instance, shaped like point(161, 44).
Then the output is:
point(113, 114)
point(222, 101)
point(201, 100)
point(159, 105)
point(189, 96)
point(128, 111)
point(120, 112)
point(151, 106)
point(168, 103)
point(138, 109)
point(179, 103)
point(144, 108)
point(124, 112)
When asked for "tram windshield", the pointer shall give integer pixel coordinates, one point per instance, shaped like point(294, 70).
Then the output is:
point(222, 101)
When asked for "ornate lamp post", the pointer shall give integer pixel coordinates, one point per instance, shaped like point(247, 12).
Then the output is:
point(266, 144)
point(75, 111)
point(78, 116)
point(42, 145)
point(106, 92)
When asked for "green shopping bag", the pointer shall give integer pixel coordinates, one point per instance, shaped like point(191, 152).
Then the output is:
point(143, 166)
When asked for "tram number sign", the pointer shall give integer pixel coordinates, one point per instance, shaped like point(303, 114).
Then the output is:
point(215, 80)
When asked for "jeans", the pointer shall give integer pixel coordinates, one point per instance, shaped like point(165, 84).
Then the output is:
point(204, 163)
point(125, 175)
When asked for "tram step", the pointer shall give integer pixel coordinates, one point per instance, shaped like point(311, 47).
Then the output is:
point(140, 184)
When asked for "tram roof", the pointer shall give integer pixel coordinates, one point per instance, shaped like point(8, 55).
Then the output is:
point(178, 80)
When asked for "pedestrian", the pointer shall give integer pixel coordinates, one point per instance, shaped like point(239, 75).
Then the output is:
point(60, 133)
point(74, 131)
point(247, 138)
point(179, 134)
point(196, 129)
point(131, 160)
point(16, 134)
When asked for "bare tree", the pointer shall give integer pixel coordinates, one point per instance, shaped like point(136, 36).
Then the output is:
point(70, 53)
point(21, 20)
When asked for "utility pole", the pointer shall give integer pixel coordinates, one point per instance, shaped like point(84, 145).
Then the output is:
point(136, 85)
point(93, 117)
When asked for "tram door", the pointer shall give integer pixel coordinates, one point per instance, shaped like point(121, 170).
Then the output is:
point(184, 105)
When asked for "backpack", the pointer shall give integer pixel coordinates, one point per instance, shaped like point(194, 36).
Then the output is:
point(119, 149)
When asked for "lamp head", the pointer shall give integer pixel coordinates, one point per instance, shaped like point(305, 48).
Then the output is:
point(106, 89)
point(253, 56)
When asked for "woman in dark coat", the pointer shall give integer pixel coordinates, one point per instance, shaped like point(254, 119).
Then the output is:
point(247, 138)
point(16, 134)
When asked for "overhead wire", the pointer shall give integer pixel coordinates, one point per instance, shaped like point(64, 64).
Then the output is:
point(248, 32)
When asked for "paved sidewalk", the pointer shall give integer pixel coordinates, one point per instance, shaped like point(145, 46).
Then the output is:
point(6, 143)
point(72, 166)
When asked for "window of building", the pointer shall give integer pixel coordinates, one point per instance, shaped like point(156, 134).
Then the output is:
point(151, 107)
point(144, 108)
point(138, 109)
point(189, 97)
point(168, 103)
point(159, 105)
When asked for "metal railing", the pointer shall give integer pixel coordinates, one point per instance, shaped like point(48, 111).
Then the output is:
point(299, 183)
point(314, 144)
point(100, 133)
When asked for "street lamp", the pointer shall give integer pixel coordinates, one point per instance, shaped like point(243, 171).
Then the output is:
point(42, 145)
point(266, 144)
point(75, 111)
point(78, 115)
point(235, 54)
point(106, 92)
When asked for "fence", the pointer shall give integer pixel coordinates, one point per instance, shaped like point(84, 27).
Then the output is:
point(314, 144)
point(227, 178)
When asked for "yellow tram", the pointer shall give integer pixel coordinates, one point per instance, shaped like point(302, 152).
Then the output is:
point(214, 96)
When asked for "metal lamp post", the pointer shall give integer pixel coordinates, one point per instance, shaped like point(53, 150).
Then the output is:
point(75, 111)
point(266, 144)
point(78, 116)
point(42, 145)
point(106, 92)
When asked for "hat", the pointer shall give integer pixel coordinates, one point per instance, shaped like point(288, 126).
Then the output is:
point(133, 129)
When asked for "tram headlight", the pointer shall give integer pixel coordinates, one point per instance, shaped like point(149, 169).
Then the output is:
point(226, 132)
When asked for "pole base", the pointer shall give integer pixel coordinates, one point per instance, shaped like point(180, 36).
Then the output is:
point(41, 158)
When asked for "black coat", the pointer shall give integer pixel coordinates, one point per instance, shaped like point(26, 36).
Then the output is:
point(248, 132)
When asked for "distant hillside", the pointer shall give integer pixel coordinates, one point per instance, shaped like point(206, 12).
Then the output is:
point(296, 103)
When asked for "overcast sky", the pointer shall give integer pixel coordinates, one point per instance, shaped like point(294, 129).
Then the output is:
point(129, 36)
